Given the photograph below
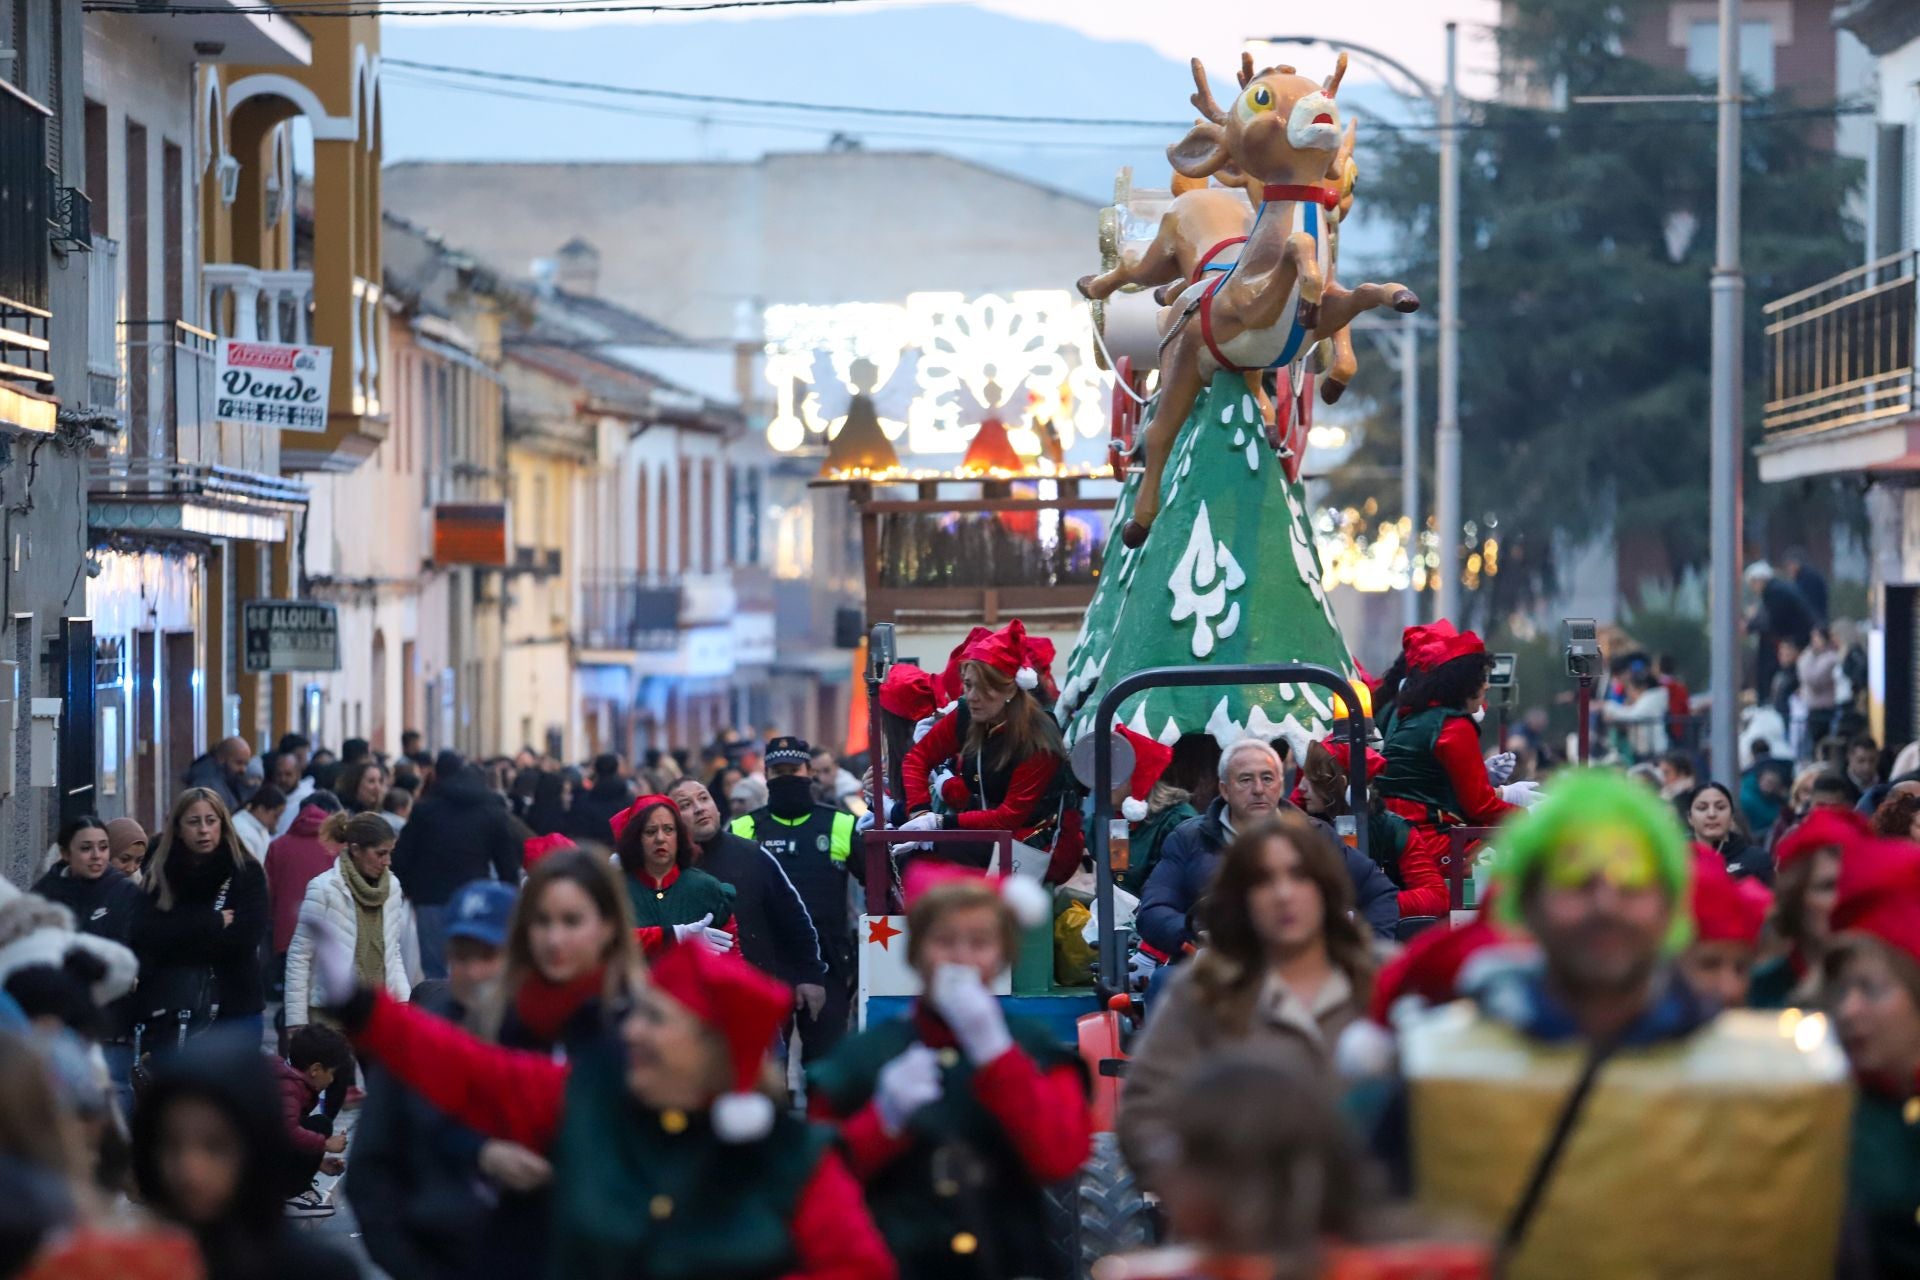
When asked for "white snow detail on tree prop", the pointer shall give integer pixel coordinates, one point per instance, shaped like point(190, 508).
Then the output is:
point(1246, 408)
point(1306, 562)
point(1239, 437)
point(1225, 729)
point(1253, 454)
point(1201, 580)
point(1170, 732)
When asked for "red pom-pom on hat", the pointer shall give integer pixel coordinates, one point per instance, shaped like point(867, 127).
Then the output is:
point(956, 794)
point(747, 1008)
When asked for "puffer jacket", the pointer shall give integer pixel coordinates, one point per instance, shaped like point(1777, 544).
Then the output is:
point(330, 894)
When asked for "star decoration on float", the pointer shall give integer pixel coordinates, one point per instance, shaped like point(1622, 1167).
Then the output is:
point(881, 930)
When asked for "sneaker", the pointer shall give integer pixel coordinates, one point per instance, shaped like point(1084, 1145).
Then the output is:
point(311, 1203)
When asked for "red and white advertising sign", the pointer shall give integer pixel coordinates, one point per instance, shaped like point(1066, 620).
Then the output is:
point(273, 384)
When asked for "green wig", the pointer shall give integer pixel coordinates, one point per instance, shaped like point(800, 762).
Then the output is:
point(1580, 797)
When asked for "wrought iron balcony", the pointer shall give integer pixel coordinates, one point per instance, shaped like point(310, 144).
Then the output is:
point(629, 615)
point(1840, 355)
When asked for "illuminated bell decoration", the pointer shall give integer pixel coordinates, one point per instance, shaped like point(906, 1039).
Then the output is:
point(991, 451)
point(861, 448)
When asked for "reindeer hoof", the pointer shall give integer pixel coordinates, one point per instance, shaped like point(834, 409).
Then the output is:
point(1133, 535)
point(1164, 294)
point(1331, 390)
point(1405, 301)
point(1085, 285)
point(1308, 316)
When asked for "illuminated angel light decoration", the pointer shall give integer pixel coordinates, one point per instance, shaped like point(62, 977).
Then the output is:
point(945, 362)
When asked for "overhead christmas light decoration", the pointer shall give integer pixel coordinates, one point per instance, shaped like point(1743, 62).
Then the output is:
point(934, 367)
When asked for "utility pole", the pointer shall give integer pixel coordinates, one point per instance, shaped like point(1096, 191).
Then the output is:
point(1446, 468)
point(1410, 458)
point(1729, 293)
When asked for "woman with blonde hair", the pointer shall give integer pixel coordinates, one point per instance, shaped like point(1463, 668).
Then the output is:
point(1284, 966)
point(198, 933)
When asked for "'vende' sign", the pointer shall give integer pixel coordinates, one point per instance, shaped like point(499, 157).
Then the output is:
point(273, 384)
point(290, 635)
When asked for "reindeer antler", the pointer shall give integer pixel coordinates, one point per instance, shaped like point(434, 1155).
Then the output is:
point(1339, 74)
point(1203, 95)
point(1246, 68)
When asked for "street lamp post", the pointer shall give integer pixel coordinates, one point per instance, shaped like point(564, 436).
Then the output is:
point(1446, 477)
point(1446, 436)
point(1729, 293)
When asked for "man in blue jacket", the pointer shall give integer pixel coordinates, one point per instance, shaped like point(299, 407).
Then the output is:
point(1252, 787)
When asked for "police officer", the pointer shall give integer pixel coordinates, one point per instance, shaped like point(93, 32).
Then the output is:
point(812, 842)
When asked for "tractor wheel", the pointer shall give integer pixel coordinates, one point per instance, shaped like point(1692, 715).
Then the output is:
point(1113, 1217)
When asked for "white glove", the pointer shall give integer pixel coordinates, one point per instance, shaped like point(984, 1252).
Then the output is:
point(1524, 794)
point(928, 821)
point(1500, 767)
point(971, 1012)
point(906, 1084)
point(1140, 970)
point(702, 931)
point(334, 979)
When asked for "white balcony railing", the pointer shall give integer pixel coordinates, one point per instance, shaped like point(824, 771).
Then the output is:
point(259, 306)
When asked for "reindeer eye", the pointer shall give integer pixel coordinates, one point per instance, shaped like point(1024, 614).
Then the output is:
point(1260, 98)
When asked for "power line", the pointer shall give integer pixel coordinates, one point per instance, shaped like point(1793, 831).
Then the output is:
point(1543, 120)
point(418, 80)
point(772, 104)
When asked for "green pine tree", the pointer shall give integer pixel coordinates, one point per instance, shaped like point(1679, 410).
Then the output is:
point(1584, 302)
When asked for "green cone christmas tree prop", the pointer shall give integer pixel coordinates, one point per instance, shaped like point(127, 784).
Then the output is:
point(1229, 575)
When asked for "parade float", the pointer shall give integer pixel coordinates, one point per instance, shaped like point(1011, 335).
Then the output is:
point(1218, 310)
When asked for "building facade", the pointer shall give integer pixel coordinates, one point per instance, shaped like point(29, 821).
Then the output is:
point(1843, 396)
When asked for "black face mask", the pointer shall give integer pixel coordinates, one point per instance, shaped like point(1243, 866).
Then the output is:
point(790, 797)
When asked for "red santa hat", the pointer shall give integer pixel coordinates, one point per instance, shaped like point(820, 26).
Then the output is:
point(1026, 660)
point(1725, 909)
point(746, 1007)
point(539, 847)
point(947, 685)
point(1441, 647)
point(907, 692)
point(1416, 638)
point(1879, 894)
point(1337, 747)
point(638, 809)
point(1841, 829)
point(1022, 895)
point(1150, 759)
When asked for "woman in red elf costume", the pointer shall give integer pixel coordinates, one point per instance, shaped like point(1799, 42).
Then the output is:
point(1003, 749)
point(957, 1117)
point(669, 1162)
point(1435, 777)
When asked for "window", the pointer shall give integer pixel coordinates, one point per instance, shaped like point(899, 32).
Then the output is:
point(684, 494)
point(173, 249)
point(1756, 53)
point(706, 516)
point(97, 170)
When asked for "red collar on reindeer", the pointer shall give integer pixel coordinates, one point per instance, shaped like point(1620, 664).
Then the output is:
point(1325, 197)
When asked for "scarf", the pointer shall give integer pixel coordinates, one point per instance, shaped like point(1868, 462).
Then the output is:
point(544, 1008)
point(369, 934)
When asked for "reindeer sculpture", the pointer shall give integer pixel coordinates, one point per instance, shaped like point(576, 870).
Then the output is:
point(1248, 299)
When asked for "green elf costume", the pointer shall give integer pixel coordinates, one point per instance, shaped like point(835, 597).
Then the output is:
point(683, 904)
point(957, 1118)
point(733, 1191)
point(1879, 899)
